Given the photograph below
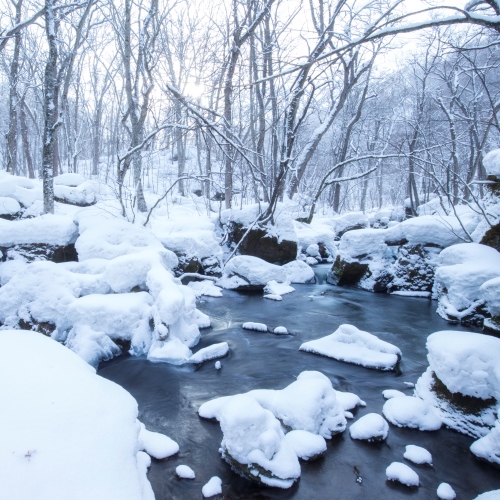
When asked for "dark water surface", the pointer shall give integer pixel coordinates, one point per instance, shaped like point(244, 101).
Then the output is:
point(169, 396)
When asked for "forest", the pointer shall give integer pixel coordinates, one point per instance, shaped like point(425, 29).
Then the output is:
point(332, 104)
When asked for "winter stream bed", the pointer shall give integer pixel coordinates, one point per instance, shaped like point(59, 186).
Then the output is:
point(169, 396)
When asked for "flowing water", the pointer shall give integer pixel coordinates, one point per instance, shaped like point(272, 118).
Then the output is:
point(169, 396)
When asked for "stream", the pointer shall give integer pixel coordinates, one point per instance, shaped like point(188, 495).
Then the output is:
point(169, 396)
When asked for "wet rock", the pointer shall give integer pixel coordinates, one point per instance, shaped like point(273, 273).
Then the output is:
point(44, 327)
point(345, 273)
point(259, 243)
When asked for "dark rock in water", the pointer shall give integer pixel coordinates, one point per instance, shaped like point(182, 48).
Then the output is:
point(259, 243)
point(44, 327)
point(42, 251)
point(345, 273)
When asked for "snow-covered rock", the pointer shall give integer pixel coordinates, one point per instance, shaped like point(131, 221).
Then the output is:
point(491, 163)
point(258, 327)
point(205, 287)
point(411, 412)
point(212, 488)
point(488, 447)
point(310, 404)
point(82, 195)
point(400, 472)
point(253, 271)
point(446, 492)
point(275, 288)
point(211, 352)
point(462, 270)
point(298, 272)
point(49, 229)
point(280, 330)
point(185, 472)
point(69, 179)
point(351, 345)
point(157, 445)
point(489, 495)
point(23, 190)
point(254, 443)
point(417, 455)
point(306, 445)
point(392, 393)
point(370, 427)
point(490, 292)
point(9, 206)
point(86, 439)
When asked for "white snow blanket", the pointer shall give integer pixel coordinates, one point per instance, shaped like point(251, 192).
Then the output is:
point(370, 427)
point(462, 270)
point(85, 443)
point(69, 179)
point(352, 345)
point(412, 412)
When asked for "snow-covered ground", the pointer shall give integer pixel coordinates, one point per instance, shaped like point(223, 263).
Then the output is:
point(66, 432)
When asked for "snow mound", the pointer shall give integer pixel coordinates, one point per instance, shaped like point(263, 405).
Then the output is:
point(48, 229)
point(402, 473)
point(184, 230)
point(355, 346)
point(462, 269)
point(446, 492)
point(82, 195)
point(252, 270)
point(417, 455)
point(258, 327)
point(310, 404)
point(23, 190)
point(319, 231)
point(490, 291)
point(370, 427)
point(491, 163)
point(466, 362)
point(280, 330)
point(307, 446)
point(272, 296)
point(254, 439)
point(212, 488)
point(275, 288)
point(489, 495)
point(488, 447)
point(411, 412)
point(70, 452)
point(157, 445)
point(205, 287)
point(298, 272)
point(211, 352)
point(349, 400)
point(185, 472)
point(69, 179)
point(392, 393)
point(9, 206)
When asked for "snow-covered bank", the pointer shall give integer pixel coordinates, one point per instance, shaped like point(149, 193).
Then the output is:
point(68, 433)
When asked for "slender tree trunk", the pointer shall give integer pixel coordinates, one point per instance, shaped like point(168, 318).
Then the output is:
point(50, 109)
point(14, 98)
